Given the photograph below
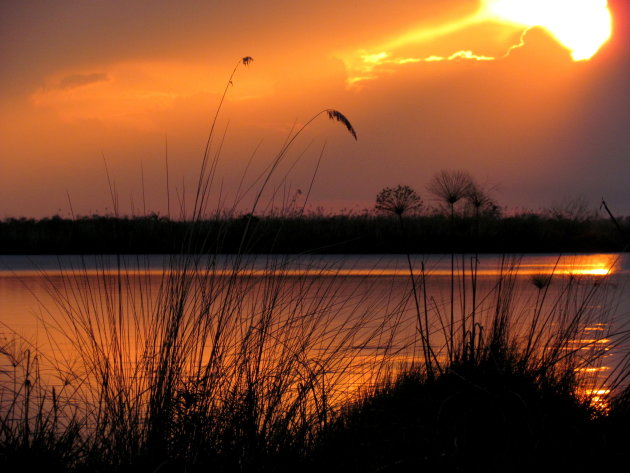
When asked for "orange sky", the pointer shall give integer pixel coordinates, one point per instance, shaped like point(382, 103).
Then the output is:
point(85, 79)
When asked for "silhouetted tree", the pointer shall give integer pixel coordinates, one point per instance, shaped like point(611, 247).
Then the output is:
point(450, 187)
point(398, 201)
point(479, 201)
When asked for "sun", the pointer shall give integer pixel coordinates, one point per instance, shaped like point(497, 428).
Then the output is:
point(581, 26)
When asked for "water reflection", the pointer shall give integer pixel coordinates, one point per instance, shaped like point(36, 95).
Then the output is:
point(598, 398)
point(577, 265)
point(373, 291)
point(319, 265)
point(598, 363)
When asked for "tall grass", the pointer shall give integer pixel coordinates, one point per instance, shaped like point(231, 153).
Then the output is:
point(542, 386)
point(235, 364)
point(219, 368)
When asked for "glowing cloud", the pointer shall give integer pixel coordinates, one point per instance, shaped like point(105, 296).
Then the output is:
point(466, 54)
point(580, 26)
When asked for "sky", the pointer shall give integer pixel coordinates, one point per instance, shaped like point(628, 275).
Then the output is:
point(106, 106)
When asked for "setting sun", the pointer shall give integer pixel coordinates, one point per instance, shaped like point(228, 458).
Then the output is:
point(582, 26)
point(579, 26)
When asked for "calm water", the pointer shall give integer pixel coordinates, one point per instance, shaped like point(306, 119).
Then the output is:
point(37, 293)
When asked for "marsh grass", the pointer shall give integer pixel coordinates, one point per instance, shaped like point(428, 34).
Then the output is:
point(236, 365)
point(226, 370)
point(219, 368)
point(541, 387)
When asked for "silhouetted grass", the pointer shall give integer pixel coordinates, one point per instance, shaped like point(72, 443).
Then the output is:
point(217, 369)
point(519, 398)
point(222, 370)
point(488, 415)
point(228, 370)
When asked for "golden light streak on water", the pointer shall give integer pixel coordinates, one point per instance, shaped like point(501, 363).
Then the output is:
point(598, 397)
point(593, 268)
point(597, 369)
point(578, 265)
point(596, 265)
point(594, 385)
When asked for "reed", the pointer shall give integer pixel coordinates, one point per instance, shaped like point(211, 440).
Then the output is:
point(235, 364)
point(217, 369)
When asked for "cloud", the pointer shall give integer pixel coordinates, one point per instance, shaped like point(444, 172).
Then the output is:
point(488, 35)
point(78, 80)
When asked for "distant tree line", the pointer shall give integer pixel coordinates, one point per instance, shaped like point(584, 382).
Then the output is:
point(367, 233)
point(466, 218)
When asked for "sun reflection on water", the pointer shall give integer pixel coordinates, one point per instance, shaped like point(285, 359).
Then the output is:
point(594, 337)
point(574, 265)
point(599, 398)
point(594, 386)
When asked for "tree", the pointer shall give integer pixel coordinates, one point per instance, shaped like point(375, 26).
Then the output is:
point(398, 201)
point(450, 187)
point(480, 201)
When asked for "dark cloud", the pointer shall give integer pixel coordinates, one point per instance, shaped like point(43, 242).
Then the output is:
point(77, 80)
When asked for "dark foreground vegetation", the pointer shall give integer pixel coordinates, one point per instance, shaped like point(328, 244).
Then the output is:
point(490, 415)
point(315, 234)
point(491, 403)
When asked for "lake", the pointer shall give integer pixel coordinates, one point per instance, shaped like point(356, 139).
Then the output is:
point(364, 307)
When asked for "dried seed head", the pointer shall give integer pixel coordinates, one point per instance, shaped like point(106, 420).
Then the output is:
point(340, 117)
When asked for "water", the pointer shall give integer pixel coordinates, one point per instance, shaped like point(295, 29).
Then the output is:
point(363, 305)
point(26, 281)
